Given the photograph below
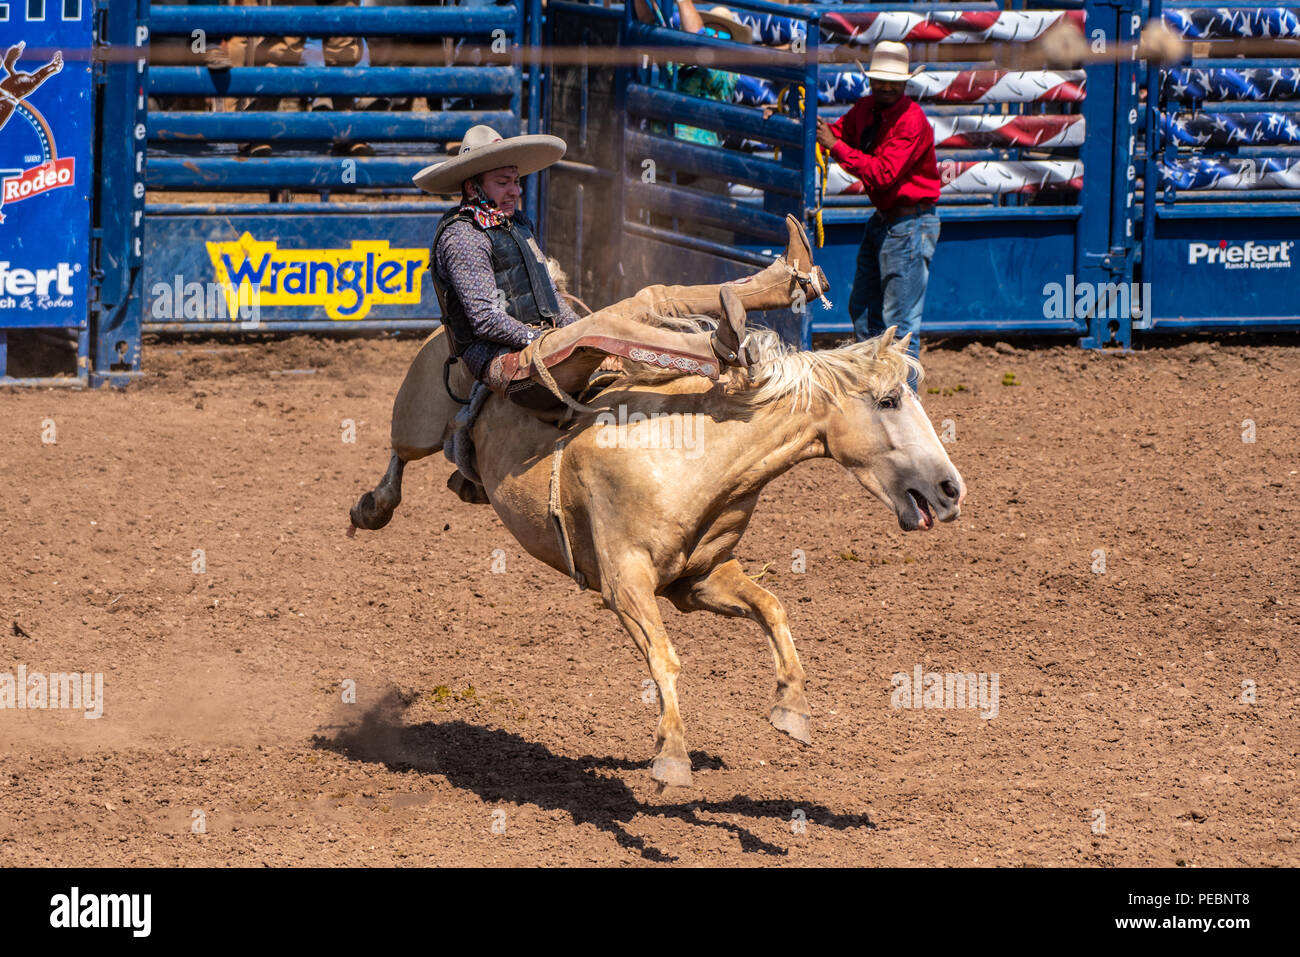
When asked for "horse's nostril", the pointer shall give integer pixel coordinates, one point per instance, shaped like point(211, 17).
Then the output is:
point(949, 489)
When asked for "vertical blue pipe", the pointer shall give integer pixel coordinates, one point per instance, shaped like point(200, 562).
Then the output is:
point(545, 83)
point(119, 211)
point(810, 72)
point(528, 37)
point(1124, 172)
point(621, 77)
point(1151, 171)
point(1092, 233)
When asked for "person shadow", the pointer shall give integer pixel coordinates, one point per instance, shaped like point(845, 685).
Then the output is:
point(503, 767)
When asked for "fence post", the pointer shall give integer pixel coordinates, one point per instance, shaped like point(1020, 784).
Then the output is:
point(118, 223)
point(1102, 255)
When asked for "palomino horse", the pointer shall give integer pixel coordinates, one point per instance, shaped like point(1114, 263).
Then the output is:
point(654, 504)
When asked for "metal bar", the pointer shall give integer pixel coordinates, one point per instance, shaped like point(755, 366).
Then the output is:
point(1238, 322)
point(1220, 4)
point(1278, 204)
point(902, 7)
point(1150, 165)
point(808, 117)
point(196, 127)
point(309, 209)
point(672, 107)
point(72, 382)
point(295, 325)
point(585, 169)
point(119, 195)
point(712, 161)
point(334, 80)
point(585, 9)
point(939, 327)
point(1233, 63)
point(1241, 106)
point(690, 204)
point(832, 216)
point(279, 172)
point(332, 21)
point(697, 244)
point(958, 199)
point(756, 61)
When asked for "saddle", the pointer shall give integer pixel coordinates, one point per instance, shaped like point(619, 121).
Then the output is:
point(459, 448)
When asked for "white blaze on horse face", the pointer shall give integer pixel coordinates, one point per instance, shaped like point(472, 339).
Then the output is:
point(897, 456)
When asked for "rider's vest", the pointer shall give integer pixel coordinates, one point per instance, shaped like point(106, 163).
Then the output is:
point(520, 272)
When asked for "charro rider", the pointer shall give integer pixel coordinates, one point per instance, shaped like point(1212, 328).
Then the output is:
point(505, 318)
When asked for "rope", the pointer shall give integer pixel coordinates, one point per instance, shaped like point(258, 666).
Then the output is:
point(556, 511)
point(446, 380)
point(821, 191)
point(543, 373)
point(822, 160)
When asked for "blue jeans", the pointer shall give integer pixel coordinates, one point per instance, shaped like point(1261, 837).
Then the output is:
point(893, 270)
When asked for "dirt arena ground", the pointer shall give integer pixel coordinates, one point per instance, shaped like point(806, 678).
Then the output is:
point(499, 716)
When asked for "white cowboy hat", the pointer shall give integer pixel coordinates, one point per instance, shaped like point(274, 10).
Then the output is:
point(724, 19)
point(484, 149)
point(889, 62)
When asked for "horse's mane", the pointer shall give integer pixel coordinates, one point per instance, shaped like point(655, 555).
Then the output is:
point(873, 367)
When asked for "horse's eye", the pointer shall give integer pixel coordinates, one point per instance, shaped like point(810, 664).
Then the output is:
point(889, 401)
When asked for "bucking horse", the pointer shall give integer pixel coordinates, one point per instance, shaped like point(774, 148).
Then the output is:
point(649, 494)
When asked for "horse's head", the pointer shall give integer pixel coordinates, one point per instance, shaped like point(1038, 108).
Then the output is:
point(885, 439)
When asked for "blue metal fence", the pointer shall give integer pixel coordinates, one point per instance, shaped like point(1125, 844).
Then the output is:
point(212, 260)
point(1046, 225)
point(1172, 192)
point(1001, 244)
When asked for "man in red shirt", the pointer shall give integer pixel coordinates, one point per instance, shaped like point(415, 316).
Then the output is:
point(886, 141)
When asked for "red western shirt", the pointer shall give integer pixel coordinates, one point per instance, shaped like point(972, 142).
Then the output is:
point(897, 166)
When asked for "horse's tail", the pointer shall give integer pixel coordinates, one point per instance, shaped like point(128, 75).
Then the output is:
point(375, 509)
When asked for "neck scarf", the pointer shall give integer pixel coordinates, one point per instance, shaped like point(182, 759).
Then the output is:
point(486, 213)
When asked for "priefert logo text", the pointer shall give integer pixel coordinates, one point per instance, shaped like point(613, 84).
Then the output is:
point(26, 282)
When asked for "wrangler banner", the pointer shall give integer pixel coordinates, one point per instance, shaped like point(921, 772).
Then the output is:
point(46, 143)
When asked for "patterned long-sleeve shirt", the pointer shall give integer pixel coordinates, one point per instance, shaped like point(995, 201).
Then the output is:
point(463, 261)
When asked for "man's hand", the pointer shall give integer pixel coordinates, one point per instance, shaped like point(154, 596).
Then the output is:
point(824, 135)
point(527, 354)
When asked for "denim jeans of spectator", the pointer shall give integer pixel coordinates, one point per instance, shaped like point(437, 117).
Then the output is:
point(892, 273)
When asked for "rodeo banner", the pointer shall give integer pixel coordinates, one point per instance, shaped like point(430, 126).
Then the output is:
point(46, 138)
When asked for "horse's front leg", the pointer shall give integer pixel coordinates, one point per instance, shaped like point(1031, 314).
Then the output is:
point(727, 590)
point(630, 594)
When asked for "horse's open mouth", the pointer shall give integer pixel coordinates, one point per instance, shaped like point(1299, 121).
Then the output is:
point(922, 504)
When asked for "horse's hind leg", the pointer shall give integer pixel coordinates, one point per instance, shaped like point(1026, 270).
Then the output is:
point(630, 594)
point(727, 590)
point(374, 509)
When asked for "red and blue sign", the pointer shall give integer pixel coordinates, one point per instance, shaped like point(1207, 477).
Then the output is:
point(47, 136)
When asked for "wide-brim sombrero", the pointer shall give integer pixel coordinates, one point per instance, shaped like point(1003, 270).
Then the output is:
point(485, 149)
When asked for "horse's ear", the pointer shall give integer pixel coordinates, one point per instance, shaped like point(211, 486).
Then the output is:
point(901, 344)
point(887, 337)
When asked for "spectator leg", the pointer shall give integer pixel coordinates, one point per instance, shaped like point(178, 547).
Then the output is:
point(865, 300)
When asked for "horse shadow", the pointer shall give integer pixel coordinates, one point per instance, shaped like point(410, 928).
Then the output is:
point(502, 767)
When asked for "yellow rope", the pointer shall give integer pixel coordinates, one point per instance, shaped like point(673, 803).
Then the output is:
point(821, 156)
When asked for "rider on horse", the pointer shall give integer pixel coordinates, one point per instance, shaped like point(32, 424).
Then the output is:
point(506, 320)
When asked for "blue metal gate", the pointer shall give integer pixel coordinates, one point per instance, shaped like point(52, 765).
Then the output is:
point(1220, 191)
point(1037, 204)
point(354, 255)
point(1046, 229)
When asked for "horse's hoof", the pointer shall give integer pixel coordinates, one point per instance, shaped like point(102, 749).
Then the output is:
point(672, 772)
point(791, 722)
point(368, 513)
